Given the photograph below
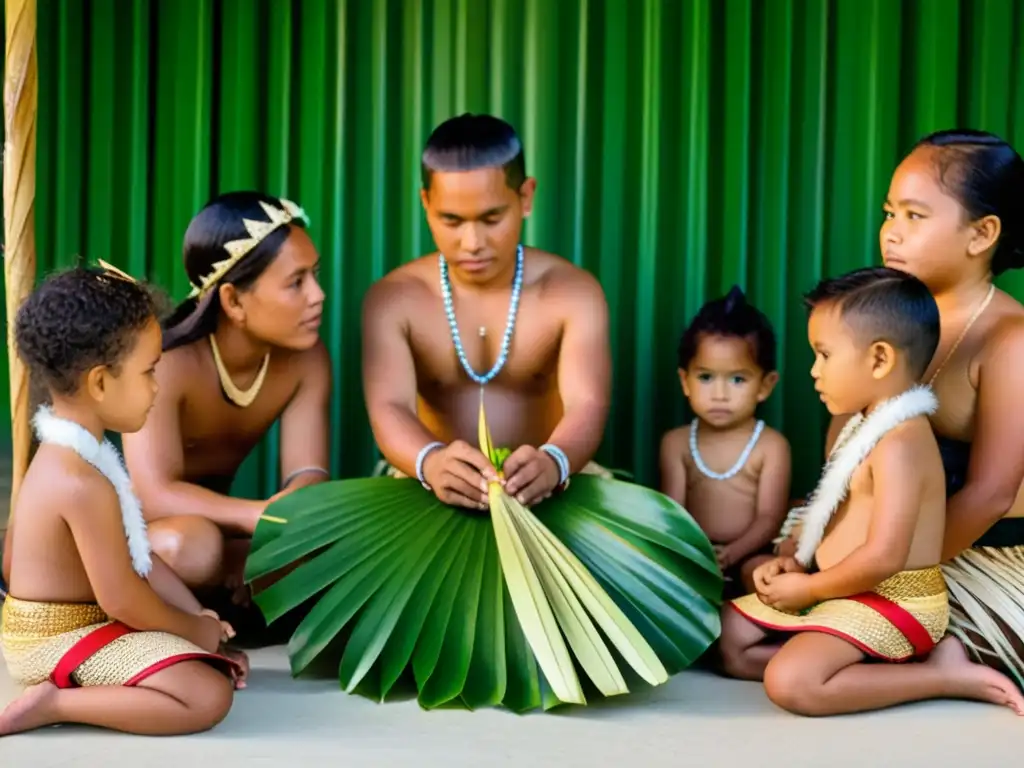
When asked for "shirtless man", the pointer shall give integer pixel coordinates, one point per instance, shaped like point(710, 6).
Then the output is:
point(541, 365)
point(242, 353)
point(544, 365)
point(865, 582)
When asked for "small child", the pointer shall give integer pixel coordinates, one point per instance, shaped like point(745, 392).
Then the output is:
point(865, 582)
point(728, 469)
point(101, 631)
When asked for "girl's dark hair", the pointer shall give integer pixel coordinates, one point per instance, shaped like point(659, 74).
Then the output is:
point(77, 319)
point(986, 175)
point(731, 316)
point(218, 223)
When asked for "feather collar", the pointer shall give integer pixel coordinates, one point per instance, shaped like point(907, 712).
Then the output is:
point(105, 458)
point(855, 442)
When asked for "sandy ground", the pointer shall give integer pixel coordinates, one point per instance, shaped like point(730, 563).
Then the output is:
point(696, 719)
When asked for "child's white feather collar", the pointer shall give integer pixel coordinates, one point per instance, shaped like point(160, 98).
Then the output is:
point(855, 442)
point(105, 458)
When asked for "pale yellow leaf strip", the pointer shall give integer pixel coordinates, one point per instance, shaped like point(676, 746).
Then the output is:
point(531, 604)
point(584, 639)
point(620, 630)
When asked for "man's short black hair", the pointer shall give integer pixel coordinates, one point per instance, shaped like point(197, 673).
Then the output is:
point(731, 316)
point(469, 142)
point(78, 319)
point(884, 304)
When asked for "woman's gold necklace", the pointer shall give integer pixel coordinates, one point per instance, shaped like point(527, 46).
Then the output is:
point(242, 398)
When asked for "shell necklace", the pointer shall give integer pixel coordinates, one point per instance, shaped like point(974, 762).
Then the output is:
point(695, 453)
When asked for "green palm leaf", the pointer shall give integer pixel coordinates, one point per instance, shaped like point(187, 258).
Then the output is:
point(420, 586)
point(485, 609)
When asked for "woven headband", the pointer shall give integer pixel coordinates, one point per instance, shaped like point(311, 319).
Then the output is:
point(258, 230)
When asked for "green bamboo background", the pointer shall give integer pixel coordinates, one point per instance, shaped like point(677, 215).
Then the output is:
point(680, 146)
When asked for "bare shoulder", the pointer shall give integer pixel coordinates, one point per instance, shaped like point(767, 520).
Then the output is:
point(905, 445)
point(177, 368)
point(676, 442)
point(560, 278)
point(60, 480)
point(1005, 340)
point(773, 443)
point(403, 288)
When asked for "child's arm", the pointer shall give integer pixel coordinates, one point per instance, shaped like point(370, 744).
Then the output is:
point(673, 471)
point(897, 489)
point(772, 499)
point(99, 536)
point(171, 589)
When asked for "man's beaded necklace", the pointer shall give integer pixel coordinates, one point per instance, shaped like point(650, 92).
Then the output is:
point(506, 342)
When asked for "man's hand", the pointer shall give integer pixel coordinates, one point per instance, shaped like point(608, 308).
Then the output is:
point(789, 592)
point(459, 475)
point(530, 475)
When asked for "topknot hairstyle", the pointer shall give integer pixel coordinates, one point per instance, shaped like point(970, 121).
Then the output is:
point(78, 319)
point(731, 316)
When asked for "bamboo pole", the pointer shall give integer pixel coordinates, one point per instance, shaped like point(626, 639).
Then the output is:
point(20, 103)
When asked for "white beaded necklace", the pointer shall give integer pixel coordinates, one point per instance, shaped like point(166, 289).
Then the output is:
point(740, 462)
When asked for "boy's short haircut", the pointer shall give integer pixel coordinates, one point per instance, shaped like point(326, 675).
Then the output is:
point(77, 319)
point(885, 304)
point(731, 316)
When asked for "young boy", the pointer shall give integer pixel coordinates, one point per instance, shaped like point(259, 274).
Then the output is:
point(101, 631)
point(728, 469)
point(865, 582)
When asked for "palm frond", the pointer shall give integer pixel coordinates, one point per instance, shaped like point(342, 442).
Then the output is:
point(507, 608)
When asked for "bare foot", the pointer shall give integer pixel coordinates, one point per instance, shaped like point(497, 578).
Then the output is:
point(970, 680)
point(240, 658)
point(30, 710)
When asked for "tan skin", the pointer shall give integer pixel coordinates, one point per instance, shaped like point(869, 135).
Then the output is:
point(184, 459)
point(70, 548)
point(740, 515)
point(892, 520)
point(927, 232)
point(555, 384)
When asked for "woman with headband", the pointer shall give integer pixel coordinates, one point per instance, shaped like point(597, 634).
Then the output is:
point(240, 353)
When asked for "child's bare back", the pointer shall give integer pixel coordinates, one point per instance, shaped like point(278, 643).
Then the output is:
point(58, 493)
point(98, 630)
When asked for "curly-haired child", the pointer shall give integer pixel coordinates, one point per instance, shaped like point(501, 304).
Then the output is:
point(97, 627)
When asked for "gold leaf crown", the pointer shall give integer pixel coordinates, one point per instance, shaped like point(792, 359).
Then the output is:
point(258, 230)
point(113, 271)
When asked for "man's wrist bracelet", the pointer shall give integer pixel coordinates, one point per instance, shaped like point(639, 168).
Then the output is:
point(421, 457)
point(561, 460)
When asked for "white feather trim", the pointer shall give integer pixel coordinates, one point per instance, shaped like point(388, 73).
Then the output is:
point(105, 458)
point(858, 438)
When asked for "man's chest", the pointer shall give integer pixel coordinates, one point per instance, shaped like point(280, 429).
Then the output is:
point(525, 357)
